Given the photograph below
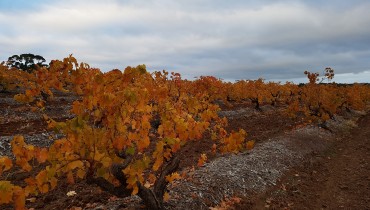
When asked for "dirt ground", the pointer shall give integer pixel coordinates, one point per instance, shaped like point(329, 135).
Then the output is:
point(338, 178)
point(335, 177)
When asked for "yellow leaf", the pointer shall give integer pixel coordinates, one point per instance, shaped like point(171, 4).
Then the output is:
point(5, 164)
point(202, 159)
point(152, 178)
point(158, 155)
point(97, 155)
point(135, 190)
point(81, 173)
point(32, 200)
point(133, 124)
point(158, 163)
point(106, 161)
point(75, 164)
point(31, 187)
point(160, 130)
point(40, 104)
point(143, 143)
point(44, 188)
point(19, 198)
point(71, 193)
point(172, 177)
point(131, 181)
point(41, 178)
point(148, 185)
point(166, 197)
point(6, 192)
point(53, 182)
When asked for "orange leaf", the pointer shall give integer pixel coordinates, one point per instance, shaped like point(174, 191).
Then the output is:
point(202, 159)
point(172, 177)
point(250, 144)
point(135, 190)
point(6, 192)
point(75, 164)
point(81, 173)
point(70, 178)
point(119, 143)
point(166, 197)
point(42, 155)
point(5, 164)
point(53, 182)
point(106, 161)
point(41, 178)
point(143, 143)
point(214, 148)
point(158, 163)
point(44, 188)
point(152, 178)
point(25, 165)
point(40, 104)
point(19, 198)
point(31, 187)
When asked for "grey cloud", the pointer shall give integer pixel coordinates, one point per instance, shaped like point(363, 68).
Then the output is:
point(232, 40)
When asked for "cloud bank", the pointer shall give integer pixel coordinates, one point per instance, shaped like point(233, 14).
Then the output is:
point(232, 40)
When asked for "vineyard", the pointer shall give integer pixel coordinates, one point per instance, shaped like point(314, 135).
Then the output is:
point(132, 132)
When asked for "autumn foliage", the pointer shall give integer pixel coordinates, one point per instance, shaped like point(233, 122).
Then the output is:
point(115, 126)
point(129, 126)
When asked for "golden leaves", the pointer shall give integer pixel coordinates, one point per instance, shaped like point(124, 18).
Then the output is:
point(42, 155)
point(214, 148)
point(158, 155)
point(6, 192)
point(250, 144)
point(119, 143)
point(19, 198)
point(166, 197)
point(5, 164)
point(70, 178)
point(124, 112)
point(202, 160)
point(42, 181)
point(143, 143)
point(174, 176)
point(22, 152)
point(75, 164)
point(134, 173)
point(234, 142)
point(12, 193)
point(24, 98)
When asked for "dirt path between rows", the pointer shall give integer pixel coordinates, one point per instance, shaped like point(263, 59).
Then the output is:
point(339, 178)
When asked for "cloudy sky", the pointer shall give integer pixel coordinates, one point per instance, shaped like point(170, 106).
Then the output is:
point(236, 39)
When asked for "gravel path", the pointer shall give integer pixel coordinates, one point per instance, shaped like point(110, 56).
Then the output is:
point(253, 171)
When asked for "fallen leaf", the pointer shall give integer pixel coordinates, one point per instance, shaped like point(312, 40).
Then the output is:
point(71, 193)
point(32, 200)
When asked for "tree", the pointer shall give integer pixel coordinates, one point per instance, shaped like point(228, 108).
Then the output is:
point(26, 62)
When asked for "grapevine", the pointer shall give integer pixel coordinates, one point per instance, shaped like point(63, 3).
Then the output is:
point(111, 141)
point(130, 126)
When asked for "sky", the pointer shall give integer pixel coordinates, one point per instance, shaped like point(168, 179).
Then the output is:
point(238, 39)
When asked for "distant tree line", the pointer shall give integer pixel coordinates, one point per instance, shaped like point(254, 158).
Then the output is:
point(26, 62)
